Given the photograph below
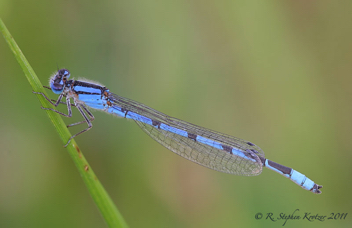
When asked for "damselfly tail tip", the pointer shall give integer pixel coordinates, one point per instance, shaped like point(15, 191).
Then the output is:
point(316, 188)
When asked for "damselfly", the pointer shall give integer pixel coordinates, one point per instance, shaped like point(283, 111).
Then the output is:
point(209, 148)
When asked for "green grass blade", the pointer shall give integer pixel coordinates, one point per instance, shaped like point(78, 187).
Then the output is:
point(100, 196)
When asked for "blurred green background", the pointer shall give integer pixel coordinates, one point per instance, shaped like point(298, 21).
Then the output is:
point(277, 73)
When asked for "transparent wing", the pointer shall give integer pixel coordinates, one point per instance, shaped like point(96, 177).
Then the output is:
point(246, 162)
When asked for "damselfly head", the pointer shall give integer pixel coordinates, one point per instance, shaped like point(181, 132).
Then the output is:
point(57, 81)
point(63, 73)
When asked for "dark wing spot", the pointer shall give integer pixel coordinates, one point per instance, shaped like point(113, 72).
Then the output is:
point(250, 154)
point(255, 151)
point(227, 148)
point(156, 123)
point(192, 136)
point(251, 144)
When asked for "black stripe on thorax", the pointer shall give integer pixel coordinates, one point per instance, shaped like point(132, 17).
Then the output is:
point(82, 92)
point(89, 85)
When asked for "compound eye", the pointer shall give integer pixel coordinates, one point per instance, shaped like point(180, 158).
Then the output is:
point(57, 87)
